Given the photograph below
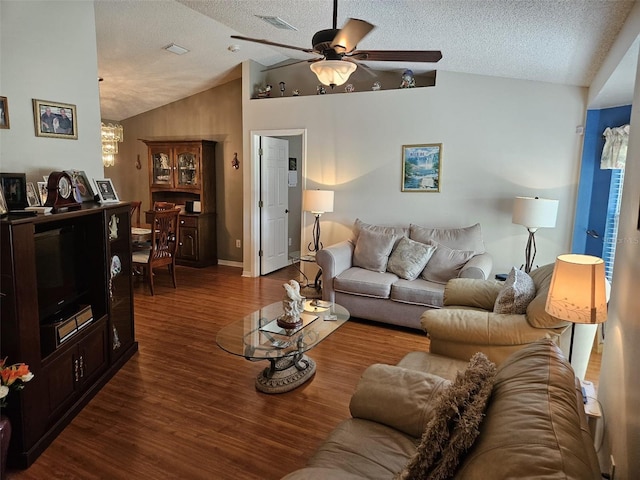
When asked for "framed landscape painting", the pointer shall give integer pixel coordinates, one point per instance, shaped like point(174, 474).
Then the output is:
point(421, 167)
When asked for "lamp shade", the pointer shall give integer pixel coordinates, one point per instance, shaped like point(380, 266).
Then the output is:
point(333, 72)
point(535, 212)
point(578, 291)
point(317, 201)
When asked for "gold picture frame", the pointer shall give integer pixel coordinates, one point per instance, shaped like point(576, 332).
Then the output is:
point(55, 119)
point(421, 167)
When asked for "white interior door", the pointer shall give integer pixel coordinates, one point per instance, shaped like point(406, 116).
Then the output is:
point(274, 194)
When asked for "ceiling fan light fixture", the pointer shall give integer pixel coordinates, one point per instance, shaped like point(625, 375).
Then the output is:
point(333, 72)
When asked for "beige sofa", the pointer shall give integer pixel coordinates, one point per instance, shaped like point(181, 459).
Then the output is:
point(375, 293)
point(467, 324)
point(534, 425)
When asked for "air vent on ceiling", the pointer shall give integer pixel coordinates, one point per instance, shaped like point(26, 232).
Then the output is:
point(277, 22)
point(177, 49)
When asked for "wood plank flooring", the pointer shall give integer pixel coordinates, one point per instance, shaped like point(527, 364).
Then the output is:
point(182, 408)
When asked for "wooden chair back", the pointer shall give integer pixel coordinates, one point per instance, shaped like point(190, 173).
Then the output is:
point(135, 213)
point(159, 206)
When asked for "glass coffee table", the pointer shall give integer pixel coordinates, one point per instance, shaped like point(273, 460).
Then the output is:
point(258, 337)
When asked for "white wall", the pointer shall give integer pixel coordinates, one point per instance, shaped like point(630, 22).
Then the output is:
point(501, 138)
point(48, 52)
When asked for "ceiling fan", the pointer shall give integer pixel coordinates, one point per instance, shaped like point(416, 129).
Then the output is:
point(338, 49)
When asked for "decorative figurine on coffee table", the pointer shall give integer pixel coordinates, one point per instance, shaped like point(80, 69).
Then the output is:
point(293, 306)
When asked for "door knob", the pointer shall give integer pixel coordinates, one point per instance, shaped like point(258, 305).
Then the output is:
point(286, 210)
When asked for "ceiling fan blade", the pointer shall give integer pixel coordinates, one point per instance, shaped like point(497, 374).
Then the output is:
point(429, 56)
point(348, 37)
point(273, 44)
point(275, 67)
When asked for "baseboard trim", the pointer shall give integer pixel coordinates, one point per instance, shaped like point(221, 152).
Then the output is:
point(229, 263)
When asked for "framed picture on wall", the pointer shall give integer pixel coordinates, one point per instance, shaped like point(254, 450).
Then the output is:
point(54, 119)
point(106, 190)
point(421, 167)
point(4, 113)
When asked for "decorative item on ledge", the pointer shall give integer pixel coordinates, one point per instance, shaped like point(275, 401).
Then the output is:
point(111, 134)
point(534, 213)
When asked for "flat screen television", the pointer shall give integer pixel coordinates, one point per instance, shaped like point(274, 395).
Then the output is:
point(59, 270)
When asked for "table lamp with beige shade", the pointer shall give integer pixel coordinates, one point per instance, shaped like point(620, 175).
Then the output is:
point(579, 294)
point(317, 202)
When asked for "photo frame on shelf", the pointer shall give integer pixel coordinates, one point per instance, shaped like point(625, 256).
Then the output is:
point(14, 188)
point(42, 191)
point(55, 119)
point(106, 190)
point(421, 167)
point(33, 197)
point(4, 112)
point(83, 190)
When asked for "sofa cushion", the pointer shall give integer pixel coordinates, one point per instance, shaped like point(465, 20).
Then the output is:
point(359, 225)
point(455, 424)
point(516, 294)
point(534, 426)
point(445, 264)
point(467, 238)
point(409, 258)
point(361, 448)
point(372, 250)
point(397, 397)
point(417, 292)
point(360, 281)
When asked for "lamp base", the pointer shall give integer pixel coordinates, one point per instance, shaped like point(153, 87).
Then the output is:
point(316, 244)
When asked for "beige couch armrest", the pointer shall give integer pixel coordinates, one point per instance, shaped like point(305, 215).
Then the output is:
point(479, 266)
point(468, 292)
point(333, 260)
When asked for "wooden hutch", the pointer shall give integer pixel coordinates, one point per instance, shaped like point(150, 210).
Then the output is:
point(183, 172)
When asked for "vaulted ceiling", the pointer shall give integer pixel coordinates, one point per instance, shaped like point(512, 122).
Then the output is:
point(557, 41)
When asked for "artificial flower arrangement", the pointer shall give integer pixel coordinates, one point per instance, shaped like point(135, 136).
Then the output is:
point(12, 377)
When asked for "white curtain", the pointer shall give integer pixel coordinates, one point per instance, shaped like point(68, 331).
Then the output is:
point(614, 153)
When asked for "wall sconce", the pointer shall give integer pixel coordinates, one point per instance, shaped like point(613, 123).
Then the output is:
point(235, 163)
point(110, 134)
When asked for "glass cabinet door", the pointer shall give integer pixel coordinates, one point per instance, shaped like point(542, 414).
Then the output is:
point(161, 167)
point(188, 167)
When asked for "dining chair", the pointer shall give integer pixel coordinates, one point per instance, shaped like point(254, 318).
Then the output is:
point(159, 206)
point(164, 241)
point(135, 213)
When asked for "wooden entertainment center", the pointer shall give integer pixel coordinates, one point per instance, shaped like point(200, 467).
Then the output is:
point(79, 260)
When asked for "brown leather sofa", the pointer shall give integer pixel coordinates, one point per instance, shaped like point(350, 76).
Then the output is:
point(534, 425)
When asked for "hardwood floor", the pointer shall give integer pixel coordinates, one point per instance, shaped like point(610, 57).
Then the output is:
point(182, 408)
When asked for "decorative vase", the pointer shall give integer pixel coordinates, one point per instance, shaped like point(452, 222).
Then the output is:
point(5, 436)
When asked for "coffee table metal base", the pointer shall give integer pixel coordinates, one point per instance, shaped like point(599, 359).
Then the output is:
point(285, 374)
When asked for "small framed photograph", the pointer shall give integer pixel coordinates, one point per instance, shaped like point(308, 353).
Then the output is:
point(42, 192)
point(54, 119)
point(421, 167)
point(14, 187)
point(4, 113)
point(3, 204)
point(83, 190)
point(106, 190)
point(33, 198)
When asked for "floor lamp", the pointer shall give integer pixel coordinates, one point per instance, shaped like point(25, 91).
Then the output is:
point(317, 202)
point(534, 213)
point(578, 294)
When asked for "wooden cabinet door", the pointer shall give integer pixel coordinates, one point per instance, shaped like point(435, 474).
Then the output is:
point(62, 378)
point(187, 167)
point(93, 358)
point(161, 166)
point(188, 246)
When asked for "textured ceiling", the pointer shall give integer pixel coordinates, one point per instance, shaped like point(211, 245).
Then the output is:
point(557, 41)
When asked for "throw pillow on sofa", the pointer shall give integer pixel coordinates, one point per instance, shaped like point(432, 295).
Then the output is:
point(359, 225)
point(372, 250)
point(445, 264)
point(516, 294)
point(409, 258)
point(466, 238)
point(397, 397)
point(455, 424)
